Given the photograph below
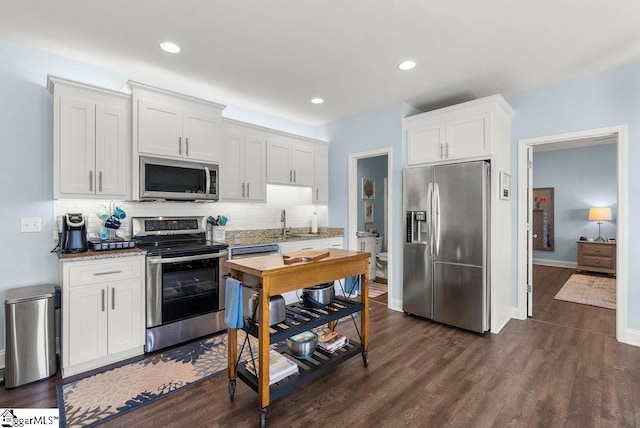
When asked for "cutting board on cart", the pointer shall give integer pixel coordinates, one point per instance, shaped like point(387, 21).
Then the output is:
point(304, 256)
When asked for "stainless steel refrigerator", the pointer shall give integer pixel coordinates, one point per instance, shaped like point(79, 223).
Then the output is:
point(446, 244)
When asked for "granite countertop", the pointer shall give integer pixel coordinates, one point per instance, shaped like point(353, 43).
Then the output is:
point(235, 238)
point(97, 255)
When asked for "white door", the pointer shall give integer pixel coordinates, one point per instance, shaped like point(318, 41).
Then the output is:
point(232, 166)
point(469, 136)
point(255, 166)
point(159, 129)
point(321, 177)
point(201, 140)
point(302, 165)
point(425, 143)
point(111, 151)
point(77, 147)
point(87, 324)
point(278, 163)
point(125, 316)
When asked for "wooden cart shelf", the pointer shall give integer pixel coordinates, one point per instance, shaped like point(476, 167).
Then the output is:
point(270, 276)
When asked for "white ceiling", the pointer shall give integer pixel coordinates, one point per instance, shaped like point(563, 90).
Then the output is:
point(274, 56)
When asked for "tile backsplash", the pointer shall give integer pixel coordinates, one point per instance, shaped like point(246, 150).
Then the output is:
point(242, 216)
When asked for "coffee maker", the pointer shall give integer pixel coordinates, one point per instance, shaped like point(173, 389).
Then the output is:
point(73, 234)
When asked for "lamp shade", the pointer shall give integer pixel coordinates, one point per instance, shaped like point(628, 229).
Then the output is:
point(599, 214)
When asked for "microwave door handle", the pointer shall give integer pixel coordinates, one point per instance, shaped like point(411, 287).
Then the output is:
point(207, 175)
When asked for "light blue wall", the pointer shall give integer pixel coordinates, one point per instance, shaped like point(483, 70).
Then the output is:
point(581, 178)
point(374, 168)
point(605, 99)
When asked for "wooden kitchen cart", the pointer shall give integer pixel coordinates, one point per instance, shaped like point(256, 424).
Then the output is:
point(270, 276)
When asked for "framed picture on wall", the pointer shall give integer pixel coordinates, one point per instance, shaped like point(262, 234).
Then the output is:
point(368, 188)
point(368, 212)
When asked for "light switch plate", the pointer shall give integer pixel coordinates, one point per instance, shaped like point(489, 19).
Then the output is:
point(30, 224)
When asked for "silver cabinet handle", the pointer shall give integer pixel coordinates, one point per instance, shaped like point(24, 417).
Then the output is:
point(179, 145)
point(308, 248)
point(186, 147)
point(290, 175)
point(247, 190)
point(111, 272)
point(441, 151)
point(99, 181)
point(91, 181)
point(103, 300)
point(294, 175)
point(243, 190)
point(317, 193)
point(446, 151)
point(113, 299)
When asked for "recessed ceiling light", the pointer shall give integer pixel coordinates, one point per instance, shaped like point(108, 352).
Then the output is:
point(170, 47)
point(406, 65)
point(317, 100)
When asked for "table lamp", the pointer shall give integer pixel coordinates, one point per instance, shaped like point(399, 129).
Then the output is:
point(599, 214)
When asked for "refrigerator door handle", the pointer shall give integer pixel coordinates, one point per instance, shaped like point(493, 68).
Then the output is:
point(430, 218)
point(436, 220)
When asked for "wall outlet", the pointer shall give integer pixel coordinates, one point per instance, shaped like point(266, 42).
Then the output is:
point(30, 224)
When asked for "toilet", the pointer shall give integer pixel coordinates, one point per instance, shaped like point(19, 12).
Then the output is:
point(381, 260)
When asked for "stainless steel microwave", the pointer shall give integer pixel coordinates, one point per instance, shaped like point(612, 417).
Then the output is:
point(176, 180)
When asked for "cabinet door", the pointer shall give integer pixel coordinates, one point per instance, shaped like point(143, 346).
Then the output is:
point(87, 339)
point(125, 310)
point(469, 136)
point(255, 164)
point(321, 177)
point(425, 143)
point(278, 163)
point(302, 165)
point(111, 151)
point(201, 136)
point(232, 166)
point(77, 147)
point(159, 129)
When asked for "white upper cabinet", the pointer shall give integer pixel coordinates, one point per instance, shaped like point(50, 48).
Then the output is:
point(289, 163)
point(172, 125)
point(91, 141)
point(461, 132)
point(243, 164)
point(321, 176)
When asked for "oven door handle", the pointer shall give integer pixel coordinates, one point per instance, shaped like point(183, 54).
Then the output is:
point(160, 260)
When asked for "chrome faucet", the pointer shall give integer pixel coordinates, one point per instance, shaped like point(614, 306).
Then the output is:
point(283, 219)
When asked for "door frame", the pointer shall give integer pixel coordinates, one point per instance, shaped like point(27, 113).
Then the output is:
point(353, 207)
point(525, 252)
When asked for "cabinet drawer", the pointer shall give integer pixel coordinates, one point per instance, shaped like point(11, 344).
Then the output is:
point(102, 271)
point(598, 250)
point(599, 262)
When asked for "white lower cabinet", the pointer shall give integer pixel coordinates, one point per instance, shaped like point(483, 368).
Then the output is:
point(102, 312)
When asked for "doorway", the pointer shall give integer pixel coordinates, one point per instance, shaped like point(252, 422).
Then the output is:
point(525, 187)
point(370, 218)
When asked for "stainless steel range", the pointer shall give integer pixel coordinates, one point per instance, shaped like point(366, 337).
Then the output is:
point(185, 286)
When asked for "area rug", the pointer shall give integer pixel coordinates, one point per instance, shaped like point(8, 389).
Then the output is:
point(589, 290)
point(376, 289)
point(95, 399)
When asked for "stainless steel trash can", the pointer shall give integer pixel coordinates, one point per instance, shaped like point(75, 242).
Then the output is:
point(30, 348)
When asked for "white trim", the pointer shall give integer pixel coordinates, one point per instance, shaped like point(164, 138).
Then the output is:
point(555, 263)
point(2, 359)
point(633, 337)
point(622, 219)
point(395, 304)
point(352, 241)
point(516, 314)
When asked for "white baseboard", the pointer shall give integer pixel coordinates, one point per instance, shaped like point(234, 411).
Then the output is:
point(633, 337)
point(555, 263)
point(2, 364)
point(516, 314)
point(395, 304)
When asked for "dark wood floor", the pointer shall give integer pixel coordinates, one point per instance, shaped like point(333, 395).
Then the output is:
point(547, 281)
point(534, 373)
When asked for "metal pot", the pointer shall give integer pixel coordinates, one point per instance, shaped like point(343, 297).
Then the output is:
point(277, 312)
point(302, 345)
point(318, 296)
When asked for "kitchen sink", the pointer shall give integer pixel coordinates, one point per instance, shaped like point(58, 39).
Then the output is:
point(304, 235)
